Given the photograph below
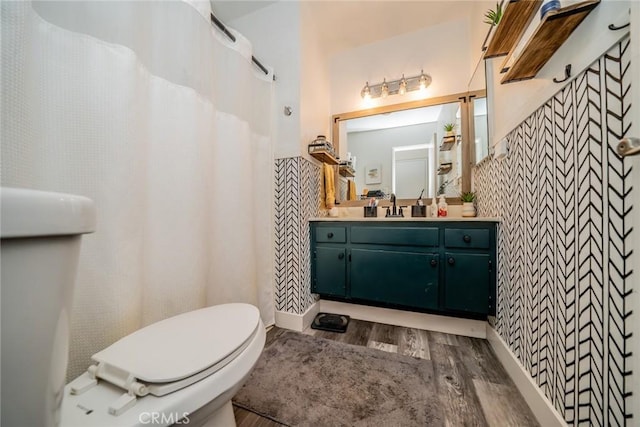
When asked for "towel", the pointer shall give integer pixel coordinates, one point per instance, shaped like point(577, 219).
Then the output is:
point(329, 186)
point(352, 195)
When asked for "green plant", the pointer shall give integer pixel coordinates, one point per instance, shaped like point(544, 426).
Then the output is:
point(493, 17)
point(449, 127)
point(468, 197)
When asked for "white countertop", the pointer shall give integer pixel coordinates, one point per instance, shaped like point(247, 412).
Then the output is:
point(405, 219)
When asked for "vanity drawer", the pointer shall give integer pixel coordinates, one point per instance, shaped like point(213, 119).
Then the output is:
point(331, 234)
point(405, 236)
point(466, 238)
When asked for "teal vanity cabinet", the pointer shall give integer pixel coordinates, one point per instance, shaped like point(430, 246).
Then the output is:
point(329, 265)
point(444, 267)
point(468, 270)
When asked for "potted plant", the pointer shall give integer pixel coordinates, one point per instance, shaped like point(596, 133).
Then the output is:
point(468, 208)
point(493, 17)
point(450, 129)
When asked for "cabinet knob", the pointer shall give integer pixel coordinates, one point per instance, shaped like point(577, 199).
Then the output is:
point(434, 262)
point(340, 256)
point(451, 261)
point(329, 235)
point(467, 238)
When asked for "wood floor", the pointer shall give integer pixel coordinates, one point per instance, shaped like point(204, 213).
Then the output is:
point(474, 389)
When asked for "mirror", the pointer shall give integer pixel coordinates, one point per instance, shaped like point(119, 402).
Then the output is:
point(479, 113)
point(404, 148)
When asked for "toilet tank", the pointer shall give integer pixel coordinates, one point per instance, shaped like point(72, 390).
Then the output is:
point(40, 243)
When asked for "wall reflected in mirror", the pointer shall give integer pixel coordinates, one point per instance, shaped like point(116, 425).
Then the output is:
point(480, 122)
point(402, 152)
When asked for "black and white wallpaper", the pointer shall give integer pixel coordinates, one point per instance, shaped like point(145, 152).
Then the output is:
point(297, 198)
point(564, 197)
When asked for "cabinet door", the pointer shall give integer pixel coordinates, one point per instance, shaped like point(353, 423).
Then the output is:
point(395, 277)
point(330, 272)
point(467, 280)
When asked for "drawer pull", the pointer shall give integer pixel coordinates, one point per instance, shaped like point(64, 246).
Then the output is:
point(467, 238)
point(329, 235)
point(340, 256)
point(452, 261)
point(434, 262)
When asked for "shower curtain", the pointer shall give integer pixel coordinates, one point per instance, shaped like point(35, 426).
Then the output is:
point(165, 123)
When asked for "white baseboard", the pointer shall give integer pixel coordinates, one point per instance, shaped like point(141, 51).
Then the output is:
point(297, 322)
point(408, 319)
point(537, 401)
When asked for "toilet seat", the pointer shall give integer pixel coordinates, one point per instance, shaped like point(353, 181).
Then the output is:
point(172, 354)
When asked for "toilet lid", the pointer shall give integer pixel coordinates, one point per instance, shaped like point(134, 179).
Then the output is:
point(183, 345)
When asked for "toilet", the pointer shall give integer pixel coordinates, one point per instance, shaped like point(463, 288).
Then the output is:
point(181, 370)
point(40, 236)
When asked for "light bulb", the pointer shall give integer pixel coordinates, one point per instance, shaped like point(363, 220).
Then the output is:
point(384, 91)
point(402, 89)
point(366, 92)
point(424, 81)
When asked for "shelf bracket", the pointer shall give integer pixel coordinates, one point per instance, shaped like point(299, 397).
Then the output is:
point(614, 27)
point(567, 74)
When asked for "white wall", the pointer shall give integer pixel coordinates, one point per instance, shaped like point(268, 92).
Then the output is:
point(511, 103)
point(315, 114)
point(443, 51)
point(274, 32)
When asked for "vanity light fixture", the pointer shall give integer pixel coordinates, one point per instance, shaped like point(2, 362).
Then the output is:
point(384, 90)
point(366, 92)
point(402, 88)
point(396, 87)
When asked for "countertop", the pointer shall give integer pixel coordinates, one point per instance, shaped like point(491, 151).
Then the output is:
point(405, 219)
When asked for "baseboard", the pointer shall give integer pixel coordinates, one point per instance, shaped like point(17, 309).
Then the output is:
point(537, 401)
point(408, 319)
point(297, 322)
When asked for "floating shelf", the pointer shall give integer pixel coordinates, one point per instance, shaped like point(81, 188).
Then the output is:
point(347, 171)
point(553, 31)
point(517, 17)
point(325, 157)
point(445, 168)
point(448, 142)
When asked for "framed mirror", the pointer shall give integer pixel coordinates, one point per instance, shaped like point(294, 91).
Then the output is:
point(404, 149)
point(479, 113)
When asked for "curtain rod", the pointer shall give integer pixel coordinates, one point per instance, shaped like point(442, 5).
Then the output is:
point(227, 33)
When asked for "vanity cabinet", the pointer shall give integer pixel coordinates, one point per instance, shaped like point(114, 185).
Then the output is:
point(444, 267)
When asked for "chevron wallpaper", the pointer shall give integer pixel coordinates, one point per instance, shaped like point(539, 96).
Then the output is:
point(297, 198)
point(565, 238)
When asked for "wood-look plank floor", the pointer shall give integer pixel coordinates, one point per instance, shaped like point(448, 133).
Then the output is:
point(473, 387)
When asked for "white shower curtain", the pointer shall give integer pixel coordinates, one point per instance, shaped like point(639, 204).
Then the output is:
point(165, 124)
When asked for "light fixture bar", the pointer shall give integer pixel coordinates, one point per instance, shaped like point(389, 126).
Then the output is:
point(395, 87)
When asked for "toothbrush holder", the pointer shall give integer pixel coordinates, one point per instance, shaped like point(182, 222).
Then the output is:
point(418, 211)
point(370, 211)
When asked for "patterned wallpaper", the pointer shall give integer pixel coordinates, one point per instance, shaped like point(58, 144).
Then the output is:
point(297, 198)
point(565, 237)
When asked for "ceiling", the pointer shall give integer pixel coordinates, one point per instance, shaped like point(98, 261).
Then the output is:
point(346, 24)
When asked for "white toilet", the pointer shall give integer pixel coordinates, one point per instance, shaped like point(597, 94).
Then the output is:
point(41, 234)
point(182, 370)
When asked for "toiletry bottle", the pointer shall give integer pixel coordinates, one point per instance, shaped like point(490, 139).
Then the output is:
point(442, 206)
point(434, 208)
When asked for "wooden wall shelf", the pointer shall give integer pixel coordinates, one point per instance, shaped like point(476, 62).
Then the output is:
point(553, 31)
point(325, 157)
point(517, 17)
point(347, 171)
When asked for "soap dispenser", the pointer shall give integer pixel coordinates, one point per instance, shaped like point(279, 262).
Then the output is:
point(442, 206)
point(434, 208)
